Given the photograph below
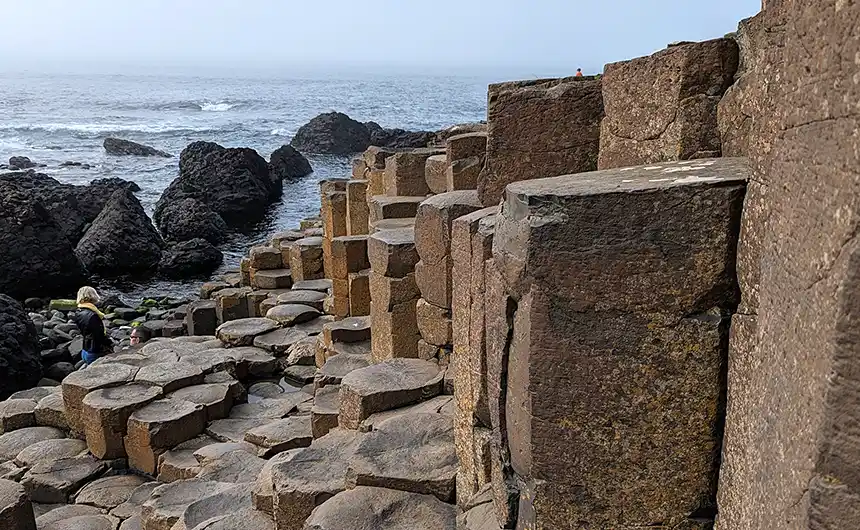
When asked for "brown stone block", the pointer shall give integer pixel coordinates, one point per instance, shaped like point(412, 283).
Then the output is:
point(327, 257)
point(159, 426)
point(434, 173)
point(202, 318)
point(334, 213)
point(232, 304)
point(80, 383)
point(349, 254)
point(387, 292)
point(306, 259)
point(466, 145)
point(385, 207)
point(392, 252)
point(359, 293)
point(391, 224)
point(255, 298)
point(663, 107)
point(434, 323)
point(375, 183)
point(272, 279)
point(105, 413)
point(394, 333)
point(339, 298)
point(245, 270)
point(404, 172)
point(375, 156)
point(16, 510)
point(265, 258)
point(357, 211)
point(464, 174)
point(540, 129)
point(332, 185)
point(278, 239)
point(434, 281)
point(359, 168)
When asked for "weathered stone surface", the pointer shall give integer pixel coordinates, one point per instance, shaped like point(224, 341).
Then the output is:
point(382, 509)
point(17, 414)
point(168, 502)
point(235, 467)
point(394, 333)
point(325, 410)
point(322, 285)
point(179, 462)
point(272, 279)
point(434, 173)
point(311, 477)
point(159, 426)
point(292, 314)
point(265, 258)
point(215, 398)
point(234, 429)
point(16, 512)
point(540, 129)
point(12, 443)
point(404, 172)
point(35, 393)
point(306, 259)
point(466, 156)
point(385, 386)
point(55, 480)
point(337, 367)
point(55, 449)
point(85, 522)
point(170, 376)
point(389, 293)
point(434, 323)
point(672, 115)
point(353, 329)
point(480, 514)
point(269, 408)
point(64, 512)
point(131, 506)
point(281, 435)
point(309, 298)
point(278, 342)
point(214, 360)
point(436, 405)
point(209, 454)
point(263, 494)
point(333, 212)
point(383, 207)
point(51, 412)
point(105, 413)
point(109, 492)
point(243, 332)
point(388, 224)
point(349, 254)
point(357, 211)
point(78, 384)
point(231, 303)
point(392, 253)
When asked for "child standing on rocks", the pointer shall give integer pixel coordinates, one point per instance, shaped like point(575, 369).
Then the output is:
point(89, 321)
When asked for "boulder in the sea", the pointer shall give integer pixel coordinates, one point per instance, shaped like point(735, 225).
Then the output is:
point(189, 219)
point(36, 258)
point(234, 183)
point(287, 163)
point(20, 162)
point(120, 147)
point(20, 360)
point(332, 133)
point(196, 257)
point(122, 239)
point(398, 138)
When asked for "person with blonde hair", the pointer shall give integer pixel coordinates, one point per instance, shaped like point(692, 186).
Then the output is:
point(89, 321)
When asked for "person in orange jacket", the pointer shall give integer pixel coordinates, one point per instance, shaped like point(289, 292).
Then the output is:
point(579, 72)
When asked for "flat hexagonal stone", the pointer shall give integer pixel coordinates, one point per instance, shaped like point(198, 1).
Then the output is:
point(281, 435)
point(337, 367)
point(105, 414)
point(242, 332)
point(314, 326)
point(51, 412)
point(212, 360)
point(235, 467)
point(50, 450)
point(167, 503)
point(170, 376)
point(325, 410)
point(351, 329)
point(263, 495)
point(177, 345)
point(16, 511)
point(132, 523)
point(211, 453)
point(233, 430)
point(292, 314)
point(80, 383)
point(55, 480)
point(309, 298)
point(253, 361)
point(216, 398)
point(109, 492)
point(272, 408)
point(159, 426)
point(321, 285)
point(235, 499)
point(179, 463)
point(437, 405)
point(84, 522)
point(17, 414)
point(300, 373)
point(279, 341)
point(412, 452)
point(383, 509)
point(246, 519)
point(35, 393)
point(388, 385)
point(14, 442)
point(131, 506)
point(63, 512)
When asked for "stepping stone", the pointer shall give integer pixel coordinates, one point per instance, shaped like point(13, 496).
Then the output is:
point(412, 452)
point(392, 253)
point(170, 376)
point(263, 495)
point(315, 326)
point(35, 393)
point(388, 385)
point(51, 412)
point(158, 427)
point(265, 258)
point(272, 279)
point(55, 480)
point(313, 475)
point(326, 352)
point(234, 467)
point(63, 512)
point(246, 519)
point(338, 367)
point(50, 450)
point(292, 314)
point(14, 442)
point(242, 332)
point(391, 224)
point(215, 398)
point(251, 361)
point(321, 285)
point(167, 503)
point(211, 453)
point(273, 409)
point(78, 384)
point(309, 298)
point(105, 413)
point(352, 329)
point(300, 373)
point(281, 435)
point(109, 492)
point(131, 506)
point(325, 410)
point(237, 390)
point(233, 430)
point(234, 499)
point(383, 509)
point(179, 463)
point(431, 406)
point(212, 360)
point(303, 352)
point(16, 511)
point(278, 342)
point(85, 522)
point(17, 414)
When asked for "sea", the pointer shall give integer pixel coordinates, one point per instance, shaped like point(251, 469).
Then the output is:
point(57, 117)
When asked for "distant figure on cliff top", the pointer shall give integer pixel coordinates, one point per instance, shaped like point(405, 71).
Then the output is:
point(579, 72)
point(89, 321)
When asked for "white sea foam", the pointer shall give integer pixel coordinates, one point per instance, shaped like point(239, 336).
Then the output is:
point(101, 128)
point(281, 132)
point(221, 106)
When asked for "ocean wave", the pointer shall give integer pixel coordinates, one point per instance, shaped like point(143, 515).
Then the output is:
point(104, 128)
point(221, 106)
point(204, 105)
point(282, 132)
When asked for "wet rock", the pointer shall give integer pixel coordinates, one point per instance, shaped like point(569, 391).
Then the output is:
point(109, 492)
point(195, 257)
point(56, 480)
point(382, 509)
point(119, 147)
point(287, 163)
point(351, 329)
point(332, 133)
point(20, 162)
point(265, 389)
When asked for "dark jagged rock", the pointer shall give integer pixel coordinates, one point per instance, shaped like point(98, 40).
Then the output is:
point(110, 185)
point(287, 163)
point(119, 147)
point(332, 133)
point(191, 219)
point(196, 257)
point(20, 162)
point(398, 138)
point(20, 361)
point(121, 240)
point(36, 258)
point(234, 183)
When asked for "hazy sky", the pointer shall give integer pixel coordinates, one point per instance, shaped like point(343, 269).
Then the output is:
point(530, 36)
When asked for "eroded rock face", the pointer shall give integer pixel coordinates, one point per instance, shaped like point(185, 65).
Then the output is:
point(119, 147)
point(332, 133)
point(195, 257)
point(16, 511)
point(382, 509)
point(287, 163)
point(189, 219)
point(20, 359)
